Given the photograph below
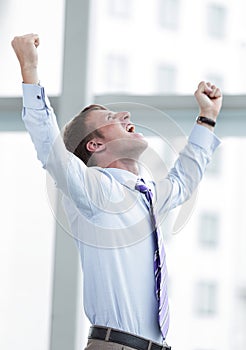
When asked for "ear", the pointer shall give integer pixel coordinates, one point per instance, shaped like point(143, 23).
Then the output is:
point(95, 145)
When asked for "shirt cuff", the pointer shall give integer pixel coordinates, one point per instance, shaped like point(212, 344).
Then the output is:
point(34, 97)
point(204, 138)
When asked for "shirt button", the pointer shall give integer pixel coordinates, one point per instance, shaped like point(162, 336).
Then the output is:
point(38, 97)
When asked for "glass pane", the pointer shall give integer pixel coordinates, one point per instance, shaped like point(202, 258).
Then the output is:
point(216, 21)
point(205, 298)
point(116, 71)
point(200, 40)
point(169, 13)
point(166, 79)
point(26, 247)
point(119, 8)
point(208, 229)
point(28, 16)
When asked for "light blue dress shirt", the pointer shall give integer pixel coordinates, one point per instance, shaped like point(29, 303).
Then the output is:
point(110, 219)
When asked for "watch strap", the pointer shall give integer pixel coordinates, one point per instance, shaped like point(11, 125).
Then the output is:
point(205, 120)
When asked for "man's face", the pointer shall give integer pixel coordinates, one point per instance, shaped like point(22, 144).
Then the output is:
point(119, 136)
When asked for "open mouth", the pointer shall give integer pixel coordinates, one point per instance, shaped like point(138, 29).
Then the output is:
point(130, 128)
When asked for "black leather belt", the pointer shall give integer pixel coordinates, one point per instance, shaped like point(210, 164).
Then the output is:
point(123, 338)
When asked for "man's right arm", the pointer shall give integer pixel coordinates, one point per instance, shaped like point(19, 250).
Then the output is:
point(70, 174)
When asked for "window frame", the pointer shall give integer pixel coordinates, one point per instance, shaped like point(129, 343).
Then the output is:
point(206, 298)
point(213, 10)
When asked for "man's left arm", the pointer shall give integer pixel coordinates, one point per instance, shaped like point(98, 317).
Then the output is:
point(189, 168)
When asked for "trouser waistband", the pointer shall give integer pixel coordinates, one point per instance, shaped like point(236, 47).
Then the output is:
point(124, 338)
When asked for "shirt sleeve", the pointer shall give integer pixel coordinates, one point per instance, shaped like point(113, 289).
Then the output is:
point(188, 170)
point(77, 181)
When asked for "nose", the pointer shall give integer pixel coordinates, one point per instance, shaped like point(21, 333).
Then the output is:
point(123, 116)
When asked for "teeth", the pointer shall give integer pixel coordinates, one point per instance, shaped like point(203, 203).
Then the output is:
point(130, 128)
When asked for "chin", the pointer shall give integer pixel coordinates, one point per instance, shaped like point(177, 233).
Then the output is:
point(143, 141)
point(136, 148)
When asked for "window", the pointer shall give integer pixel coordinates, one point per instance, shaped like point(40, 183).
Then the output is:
point(169, 13)
point(206, 298)
point(166, 79)
point(15, 19)
point(120, 8)
point(216, 21)
point(159, 33)
point(116, 73)
point(231, 177)
point(209, 230)
point(26, 247)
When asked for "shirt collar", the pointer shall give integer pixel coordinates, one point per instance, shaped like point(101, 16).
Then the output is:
point(124, 177)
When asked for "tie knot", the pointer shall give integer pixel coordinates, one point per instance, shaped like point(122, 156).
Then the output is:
point(141, 187)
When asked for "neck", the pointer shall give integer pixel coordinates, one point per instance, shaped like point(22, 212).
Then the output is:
point(125, 164)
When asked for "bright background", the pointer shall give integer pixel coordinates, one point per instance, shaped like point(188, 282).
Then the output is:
point(157, 49)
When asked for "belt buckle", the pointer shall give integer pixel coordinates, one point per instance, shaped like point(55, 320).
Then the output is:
point(165, 346)
point(149, 345)
point(107, 336)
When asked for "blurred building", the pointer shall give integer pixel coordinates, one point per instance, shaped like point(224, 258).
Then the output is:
point(157, 47)
point(167, 46)
point(207, 261)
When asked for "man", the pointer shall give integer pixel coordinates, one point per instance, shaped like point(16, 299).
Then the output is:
point(114, 215)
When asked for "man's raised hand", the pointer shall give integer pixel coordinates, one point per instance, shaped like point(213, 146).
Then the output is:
point(209, 98)
point(25, 48)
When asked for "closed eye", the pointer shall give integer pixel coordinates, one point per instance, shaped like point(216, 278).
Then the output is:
point(110, 116)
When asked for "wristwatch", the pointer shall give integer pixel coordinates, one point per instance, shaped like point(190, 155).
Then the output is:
point(205, 120)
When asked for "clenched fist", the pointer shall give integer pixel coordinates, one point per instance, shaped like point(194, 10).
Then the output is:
point(209, 98)
point(25, 48)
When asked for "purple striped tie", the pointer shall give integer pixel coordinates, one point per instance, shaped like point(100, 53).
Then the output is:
point(160, 267)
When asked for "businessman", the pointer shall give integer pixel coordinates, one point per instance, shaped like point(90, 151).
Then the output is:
point(113, 213)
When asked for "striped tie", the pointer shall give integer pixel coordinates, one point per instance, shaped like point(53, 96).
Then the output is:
point(160, 267)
